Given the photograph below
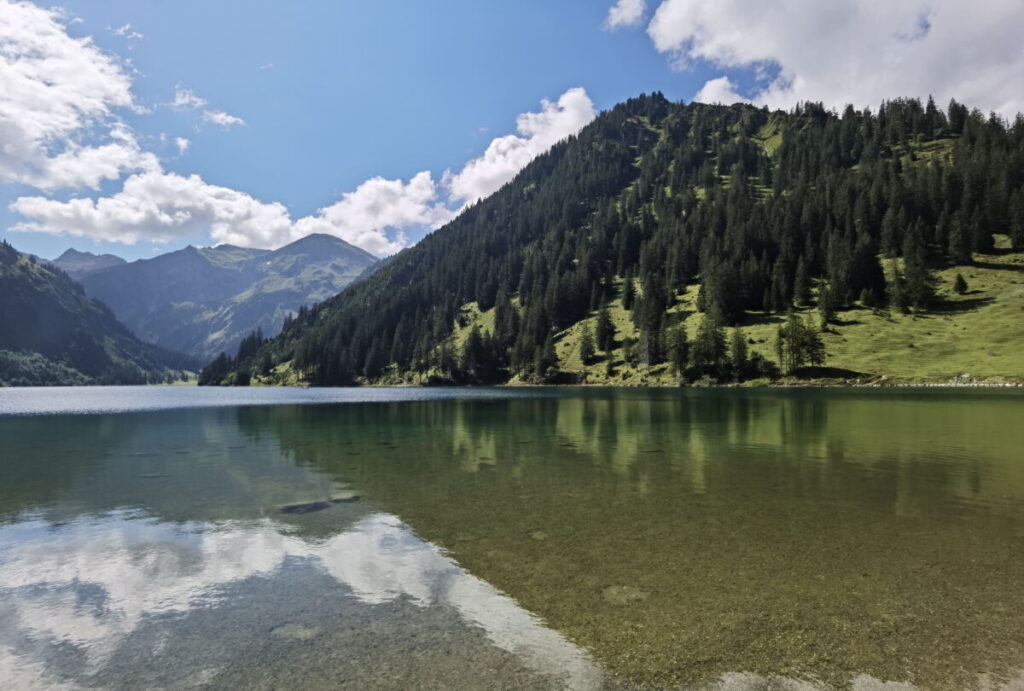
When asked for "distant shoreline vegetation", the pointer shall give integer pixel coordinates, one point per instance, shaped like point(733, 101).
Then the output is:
point(677, 243)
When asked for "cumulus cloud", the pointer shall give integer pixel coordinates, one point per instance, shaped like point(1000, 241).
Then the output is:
point(506, 156)
point(182, 145)
point(56, 94)
point(721, 90)
point(854, 51)
point(362, 217)
point(219, 117)
point(625, 13)
point(162, 207)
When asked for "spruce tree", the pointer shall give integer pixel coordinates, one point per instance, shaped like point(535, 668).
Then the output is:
point(708, 353)
point(586, 345)
point(801, 288)
point(605, 330)
point(959, 284)
point(678, 350)
point(918, 280)
point(738, 353)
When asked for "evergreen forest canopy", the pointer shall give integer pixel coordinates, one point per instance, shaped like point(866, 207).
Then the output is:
point(769, 213)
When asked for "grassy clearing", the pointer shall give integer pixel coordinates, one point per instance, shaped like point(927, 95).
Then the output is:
point(980, 333)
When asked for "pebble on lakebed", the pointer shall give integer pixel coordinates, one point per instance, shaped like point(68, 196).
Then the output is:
point(623, 594)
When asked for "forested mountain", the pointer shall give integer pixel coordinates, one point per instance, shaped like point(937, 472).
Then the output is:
point(637, 242)
point(204, 300)
point(77, 264)
point(51, 333)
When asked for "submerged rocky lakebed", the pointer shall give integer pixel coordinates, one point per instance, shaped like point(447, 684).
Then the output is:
point(543, 538)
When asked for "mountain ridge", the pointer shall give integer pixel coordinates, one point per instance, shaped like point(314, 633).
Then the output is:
point(205, 300)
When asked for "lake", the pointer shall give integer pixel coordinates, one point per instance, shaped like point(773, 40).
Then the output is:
point(511, 538)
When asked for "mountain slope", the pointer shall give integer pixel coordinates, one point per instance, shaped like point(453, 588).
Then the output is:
point(685, 220)
point(78, 264)
point(51, 333)
point(204, 301)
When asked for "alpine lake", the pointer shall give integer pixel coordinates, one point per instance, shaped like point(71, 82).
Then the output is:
point(581, 538)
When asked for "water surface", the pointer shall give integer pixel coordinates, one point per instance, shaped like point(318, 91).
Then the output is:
point(512, 538)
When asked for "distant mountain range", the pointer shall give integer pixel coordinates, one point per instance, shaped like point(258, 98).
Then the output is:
point(51, 333)
point(77, 264)
point(203, 301)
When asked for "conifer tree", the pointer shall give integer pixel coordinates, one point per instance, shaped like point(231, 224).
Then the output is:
point(959, 284)
point(628, 293)
point(738, 353)
point(605, 330)
point(918, 280)
point(586, 345)
point(678, 350)
point(708, 352)
point(801, 288)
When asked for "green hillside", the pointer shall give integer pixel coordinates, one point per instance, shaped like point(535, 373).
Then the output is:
point(836, 235)
point(51, 333)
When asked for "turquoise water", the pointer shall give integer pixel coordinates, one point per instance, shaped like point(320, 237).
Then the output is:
point(510, 538)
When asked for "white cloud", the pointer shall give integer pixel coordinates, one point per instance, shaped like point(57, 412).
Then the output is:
point(182, 145)
point(162, 207)
point(56, 94)
point(625, 13)
point(362, 217)
point(219, 117)
point(721, 90)
point(506, 156)
point(856, 51)
point(128, 32)
point(185, 98)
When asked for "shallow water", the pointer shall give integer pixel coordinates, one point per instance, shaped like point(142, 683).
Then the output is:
point(502, 538)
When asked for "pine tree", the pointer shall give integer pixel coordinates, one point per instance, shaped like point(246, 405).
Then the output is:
point(959, 249)
point(628, 293)
point(959, 284)
point(801, 288)
point(546, 361)
point(605, 330)
point(917, 277)
point(738, 353)
point(586, 345)
point(708, 352)
point(678, 350)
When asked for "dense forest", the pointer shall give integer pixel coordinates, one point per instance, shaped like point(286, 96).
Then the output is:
point(793, 216)
point(51, 333)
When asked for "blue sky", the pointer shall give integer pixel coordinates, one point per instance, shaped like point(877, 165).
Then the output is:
point(333, 94)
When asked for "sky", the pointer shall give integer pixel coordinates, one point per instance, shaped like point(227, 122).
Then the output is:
point(138, 127)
